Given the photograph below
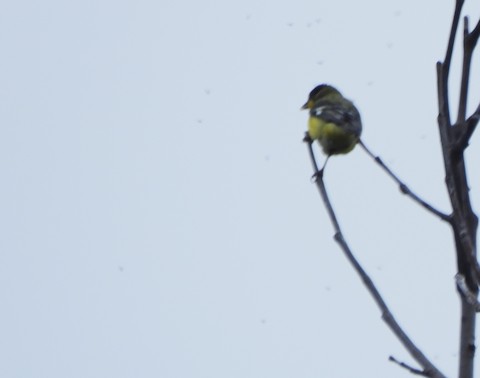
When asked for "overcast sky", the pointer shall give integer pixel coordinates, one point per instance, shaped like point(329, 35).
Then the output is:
point(156, 208)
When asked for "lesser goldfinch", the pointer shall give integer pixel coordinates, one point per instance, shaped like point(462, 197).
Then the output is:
point(334, 121)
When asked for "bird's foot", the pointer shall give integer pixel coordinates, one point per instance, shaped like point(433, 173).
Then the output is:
point(307, 138)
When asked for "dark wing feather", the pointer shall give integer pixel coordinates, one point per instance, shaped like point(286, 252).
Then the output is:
point(344, 115)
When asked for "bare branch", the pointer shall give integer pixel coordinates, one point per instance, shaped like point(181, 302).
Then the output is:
point(408, 367)
point(454, 140)
point(387, 316)
point(453, 32)
point(467, 59)
point(404, 188)
point(467, 130)
point(466, 127)
point(445, 66)
point(472, 38)
point(444, 125)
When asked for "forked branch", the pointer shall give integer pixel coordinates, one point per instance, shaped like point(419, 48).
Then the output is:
point(465, 132)
point(429, 370)
point(454, 139)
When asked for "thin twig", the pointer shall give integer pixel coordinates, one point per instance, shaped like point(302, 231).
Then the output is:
point(408, 367)
point(475, 34)
point(467, 60)
point(387, 316)
point(444, 67)
point(467, 130)
point(466, 126)
point(404, 188)
point(453, 32)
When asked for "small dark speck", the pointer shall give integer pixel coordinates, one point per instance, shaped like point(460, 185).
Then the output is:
point(207, 91)
point(423, 137)
point(248, 17)
point(199, 121)
point(309, 24)
point(328, 288)
point(267, 157)
point(120, 268)
point(320, 62)
point(389, 45)
point(290, 24)
point(397, 13)
point(318, 20)
point(263, 321)
point(370, 83)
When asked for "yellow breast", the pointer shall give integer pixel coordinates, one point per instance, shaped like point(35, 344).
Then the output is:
point(333, 138)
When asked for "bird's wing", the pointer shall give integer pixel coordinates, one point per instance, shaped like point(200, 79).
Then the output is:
point(344, 115)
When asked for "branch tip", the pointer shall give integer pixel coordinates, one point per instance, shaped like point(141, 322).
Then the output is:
point(408, 367)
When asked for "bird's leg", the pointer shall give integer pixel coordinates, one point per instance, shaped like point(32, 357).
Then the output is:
point(319, 174)
point(307, 138)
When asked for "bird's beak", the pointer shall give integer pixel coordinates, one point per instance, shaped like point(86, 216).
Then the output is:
point(307, 105)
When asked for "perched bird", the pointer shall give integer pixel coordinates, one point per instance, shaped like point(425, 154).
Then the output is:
point(334, 121)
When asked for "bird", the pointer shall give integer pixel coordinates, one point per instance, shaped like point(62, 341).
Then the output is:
point(334, 121)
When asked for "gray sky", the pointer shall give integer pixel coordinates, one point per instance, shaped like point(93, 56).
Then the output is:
point(157, 214)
